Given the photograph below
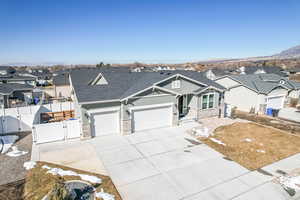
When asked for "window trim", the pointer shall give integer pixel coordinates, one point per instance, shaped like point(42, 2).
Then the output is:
point(207, 101)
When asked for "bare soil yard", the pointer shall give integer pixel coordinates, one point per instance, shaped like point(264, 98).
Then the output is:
point(252, 145)
point(38, 183)
point(284, 125)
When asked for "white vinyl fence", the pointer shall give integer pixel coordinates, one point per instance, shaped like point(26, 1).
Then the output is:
point(21, 119)
point(56, 131)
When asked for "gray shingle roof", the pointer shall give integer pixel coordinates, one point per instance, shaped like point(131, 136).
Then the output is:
point(123, 84)
point(61, 79)
point(8, 88)
point(265, 83)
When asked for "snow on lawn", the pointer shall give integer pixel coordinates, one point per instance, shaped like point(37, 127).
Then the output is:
point(16, 152)
point(200, 132)
point(248, 140)
point(217, 141)
point(29, 165)
point(104, 195)
point(290, 182)
point(61, 172)
point(8, 141)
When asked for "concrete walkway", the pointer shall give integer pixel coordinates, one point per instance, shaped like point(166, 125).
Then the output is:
point(167, 163)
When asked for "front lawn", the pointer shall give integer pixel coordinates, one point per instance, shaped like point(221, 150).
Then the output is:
point(251, 145)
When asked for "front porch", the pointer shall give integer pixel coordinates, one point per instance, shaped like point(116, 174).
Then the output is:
point(197, 106)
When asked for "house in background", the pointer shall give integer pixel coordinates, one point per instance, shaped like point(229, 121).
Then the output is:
point(61, 86)
point(15, 95)
point(258, 91)
point(128, 102)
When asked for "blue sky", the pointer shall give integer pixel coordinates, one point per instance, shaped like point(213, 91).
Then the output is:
point(73, 31)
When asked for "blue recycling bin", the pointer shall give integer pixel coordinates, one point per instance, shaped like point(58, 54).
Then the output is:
point(270, 111)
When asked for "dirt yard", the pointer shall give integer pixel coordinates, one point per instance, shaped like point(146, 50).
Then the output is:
point(284, 125)
point(252, 145)
point(38, 182)
point(12, 169)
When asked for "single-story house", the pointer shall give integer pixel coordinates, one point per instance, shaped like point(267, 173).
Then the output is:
point(15, 94)
point(127, 102)
point(258, 91)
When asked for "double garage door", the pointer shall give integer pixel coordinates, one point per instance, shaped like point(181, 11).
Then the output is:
point(275, 102)
point(151, 117)
point(143, 118)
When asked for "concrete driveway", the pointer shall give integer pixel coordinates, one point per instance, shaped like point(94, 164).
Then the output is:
point(165, 164)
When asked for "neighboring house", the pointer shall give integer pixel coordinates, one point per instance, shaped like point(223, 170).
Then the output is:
point(15, 94)
point(215, 73)
point(6, 70)
point(258, 91)
point(42, 76)
point(9, 75)
point(262, 70)
point(61, 84)
point(294, 71)
point(127, 102)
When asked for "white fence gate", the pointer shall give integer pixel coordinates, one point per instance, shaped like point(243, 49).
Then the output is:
point(21, 119)
point(56, 131)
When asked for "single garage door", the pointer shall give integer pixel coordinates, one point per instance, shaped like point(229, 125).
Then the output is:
point(275, 102)
point(106, 123)
point(149, 118)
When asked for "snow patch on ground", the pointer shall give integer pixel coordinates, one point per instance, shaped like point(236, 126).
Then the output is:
point(217, 141)
point(61, 172)
point(8, 141)
point(29, 165)
point(248, 140)
point(201, 132)
point(104, 195)
point(290, 182)
point(16, 152)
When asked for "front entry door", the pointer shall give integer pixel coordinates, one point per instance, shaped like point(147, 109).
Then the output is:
point(183, 105)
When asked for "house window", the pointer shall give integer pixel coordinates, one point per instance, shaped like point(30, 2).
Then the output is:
point(208, 101)
point(176, 84)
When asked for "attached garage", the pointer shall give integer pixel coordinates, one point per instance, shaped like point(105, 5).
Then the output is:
point(156, 116)
point(106, 123)
point(275, 102)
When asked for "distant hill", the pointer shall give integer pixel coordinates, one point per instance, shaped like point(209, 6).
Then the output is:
point(293, 52)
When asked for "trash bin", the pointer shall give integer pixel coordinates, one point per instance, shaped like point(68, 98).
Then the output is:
point(275, 112)
point(269, 111)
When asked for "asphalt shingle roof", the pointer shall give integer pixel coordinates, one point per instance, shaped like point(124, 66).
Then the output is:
point(265, 83)
point(8, 88)
point(123, 84)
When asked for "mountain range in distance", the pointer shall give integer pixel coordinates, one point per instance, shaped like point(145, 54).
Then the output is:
point(291, 53)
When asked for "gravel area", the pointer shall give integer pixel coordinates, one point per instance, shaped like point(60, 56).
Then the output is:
point(11, 168)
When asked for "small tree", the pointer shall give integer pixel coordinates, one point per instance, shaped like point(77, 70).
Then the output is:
point(101, 64)
point(59, 191)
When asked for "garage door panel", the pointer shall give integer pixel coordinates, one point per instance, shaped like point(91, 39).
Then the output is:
point(275, 102)
point(106, 123)
point(149, 118)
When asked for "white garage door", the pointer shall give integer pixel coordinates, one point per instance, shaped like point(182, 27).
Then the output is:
point(275, 102)
point(154, 117)
point(106, 123)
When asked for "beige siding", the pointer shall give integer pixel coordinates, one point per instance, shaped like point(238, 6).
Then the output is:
point(243, 98)
point(294, 94)
point(64, 91)
point(227, 82)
